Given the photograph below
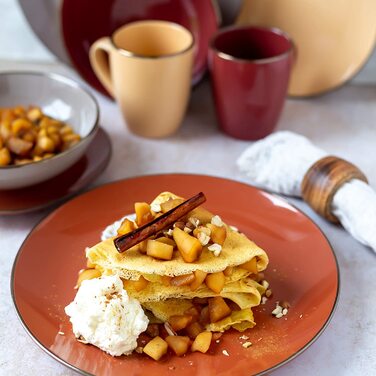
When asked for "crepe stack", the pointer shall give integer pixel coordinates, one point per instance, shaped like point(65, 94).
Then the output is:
point(164, 299)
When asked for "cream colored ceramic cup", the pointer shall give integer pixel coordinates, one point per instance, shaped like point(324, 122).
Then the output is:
point(147, 67)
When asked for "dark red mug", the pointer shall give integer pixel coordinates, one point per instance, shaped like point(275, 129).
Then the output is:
point(250, 69)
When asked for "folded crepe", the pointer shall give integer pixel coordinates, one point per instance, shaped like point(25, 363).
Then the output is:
point(165, 300)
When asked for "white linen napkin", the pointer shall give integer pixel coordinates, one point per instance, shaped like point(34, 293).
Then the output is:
point(279, 163)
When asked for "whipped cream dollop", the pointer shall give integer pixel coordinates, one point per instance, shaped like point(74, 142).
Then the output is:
point(104, 315)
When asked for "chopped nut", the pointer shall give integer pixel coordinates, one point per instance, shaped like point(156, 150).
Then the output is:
point(264, 299)
point(139, 350)
point(244, 337)
point(187, 229)
point(217, 221)
point(247, 344)
point(265, 284)
point(203, 238)
point(234, 228)
point(204, 229)
point(268, 293)
point(224, 352)
point(277, 310)
point(168, 232)
point(217, 340)
point(169, 330)
point(216, 249)
point(195, 222)
point(61, 333)
point(156, 208)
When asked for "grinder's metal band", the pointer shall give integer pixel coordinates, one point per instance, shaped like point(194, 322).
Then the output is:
point(322, 181)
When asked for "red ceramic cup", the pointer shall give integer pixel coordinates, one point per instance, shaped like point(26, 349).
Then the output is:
point(250, 69)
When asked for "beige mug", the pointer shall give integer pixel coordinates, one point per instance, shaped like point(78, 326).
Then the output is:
point(147, 67)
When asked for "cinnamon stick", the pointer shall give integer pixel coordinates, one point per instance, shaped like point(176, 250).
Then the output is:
point(124, 242)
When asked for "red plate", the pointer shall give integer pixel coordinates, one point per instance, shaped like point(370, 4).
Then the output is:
point(54, 190)
point(85, 21)
point(302, 270)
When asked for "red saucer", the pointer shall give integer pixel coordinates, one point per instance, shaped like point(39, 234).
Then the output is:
point(85, 21)
point(62, 186)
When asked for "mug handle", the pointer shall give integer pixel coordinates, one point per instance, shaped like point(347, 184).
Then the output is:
point(99, 60)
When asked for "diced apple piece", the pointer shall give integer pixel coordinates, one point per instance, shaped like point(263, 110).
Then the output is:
point(87, 274)
point(250, 265)
point(156, 348)
point(194, 312)
point(194, 329)
point(170, 204)
point(204, 316)
point(166, 280)
point(215, 281)
point(138, 285)
point(126, 227)
point(178, 344)
point(188, 246)
point(218, 309)
point(143, 213)
point(179, 322)
point(182, 280)
point(217, 234)
point(202, 342)
point(159, 250)
point(228, 271)
point(199, 279)
point(166, 240)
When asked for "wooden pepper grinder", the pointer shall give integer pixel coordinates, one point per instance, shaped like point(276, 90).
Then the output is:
point(322, 181)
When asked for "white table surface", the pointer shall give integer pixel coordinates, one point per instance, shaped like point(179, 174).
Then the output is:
point(342, 122)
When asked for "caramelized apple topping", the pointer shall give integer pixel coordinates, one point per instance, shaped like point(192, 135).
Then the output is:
point(124, 242)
